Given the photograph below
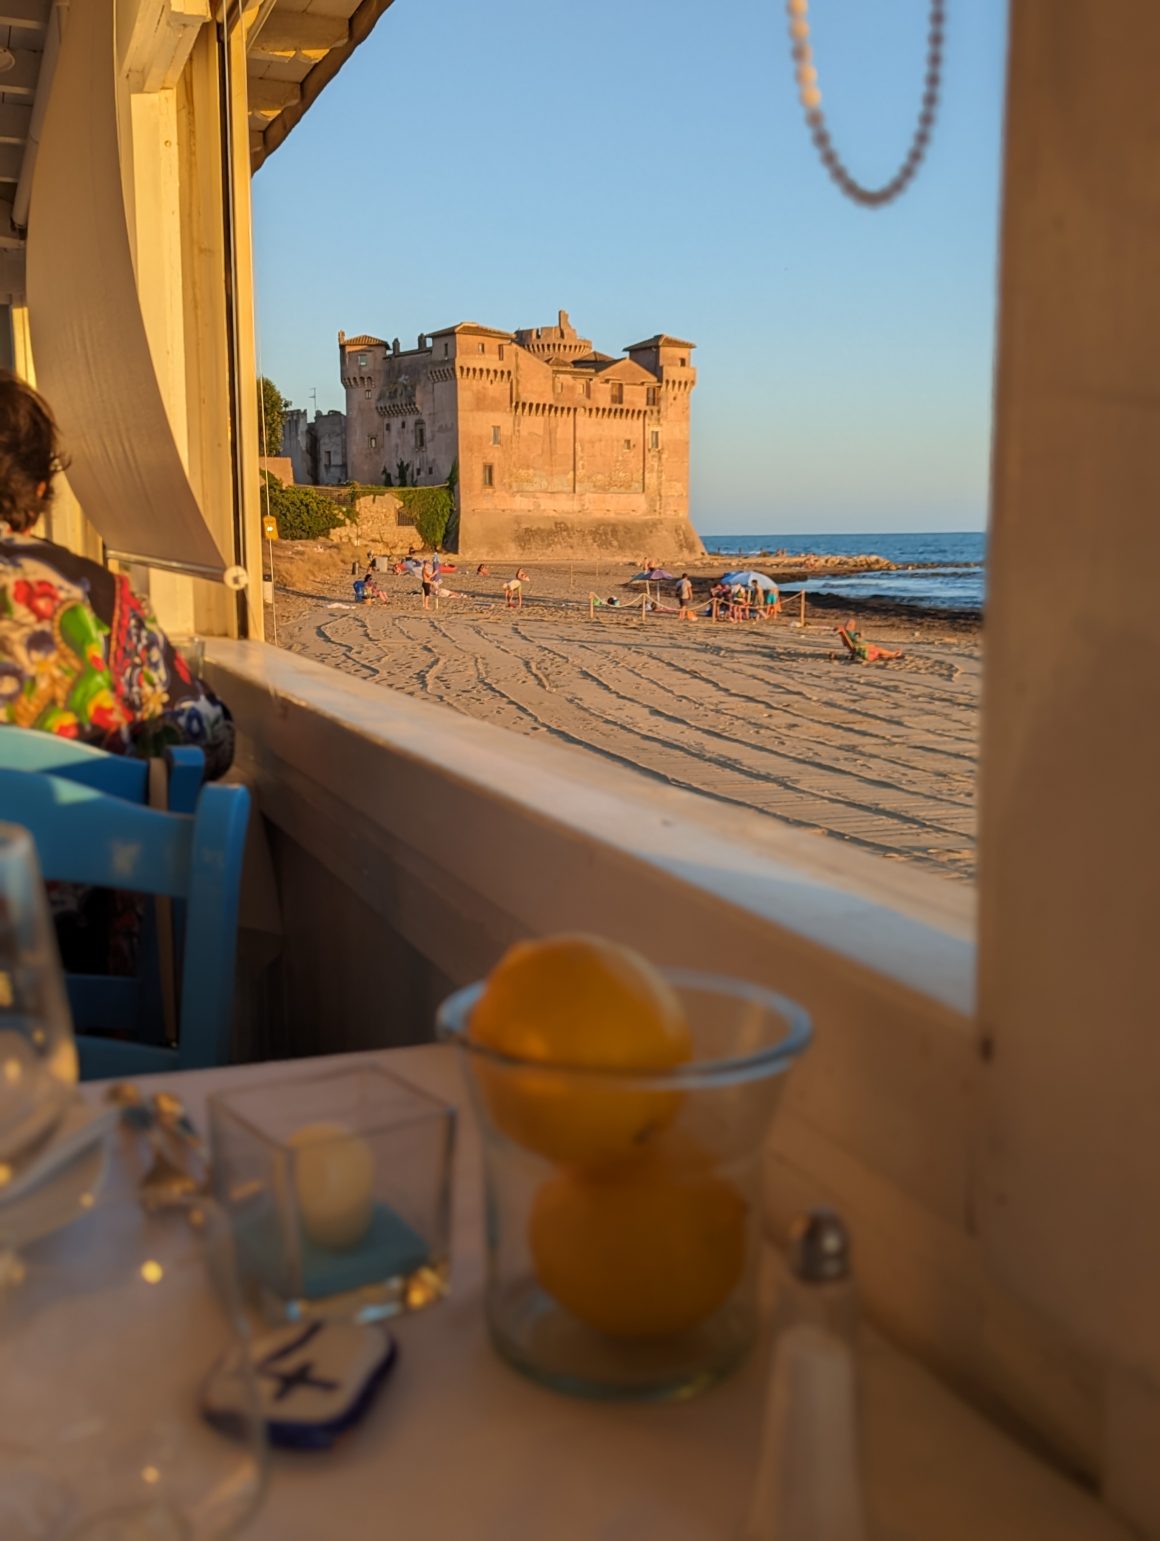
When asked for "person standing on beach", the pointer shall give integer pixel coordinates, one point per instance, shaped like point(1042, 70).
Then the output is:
point(427, 579)
point(684, 598)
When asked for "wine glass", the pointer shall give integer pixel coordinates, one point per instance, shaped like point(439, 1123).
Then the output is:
point(111, 1335)
point(38, 1058)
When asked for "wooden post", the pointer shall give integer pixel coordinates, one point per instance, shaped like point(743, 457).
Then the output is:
point(591, 605)
point(803, 607)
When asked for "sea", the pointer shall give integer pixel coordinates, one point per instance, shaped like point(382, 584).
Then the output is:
point(956, 581)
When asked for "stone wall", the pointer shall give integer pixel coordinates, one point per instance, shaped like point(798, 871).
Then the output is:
point(280, 466)
point(377, 528)
point(531, 536)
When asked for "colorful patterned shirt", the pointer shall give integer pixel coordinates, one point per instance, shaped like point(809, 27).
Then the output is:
point(82, 655)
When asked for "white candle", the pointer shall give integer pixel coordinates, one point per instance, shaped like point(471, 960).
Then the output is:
point(334, 1177)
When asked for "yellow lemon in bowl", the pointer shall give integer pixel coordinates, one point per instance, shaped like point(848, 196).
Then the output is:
point(565, 1008)
point(645, 1250)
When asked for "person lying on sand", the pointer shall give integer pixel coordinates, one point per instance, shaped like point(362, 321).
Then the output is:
point(483, 571)
point(864, 652)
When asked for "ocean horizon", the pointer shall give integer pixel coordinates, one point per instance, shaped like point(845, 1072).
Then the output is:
point(956, 580)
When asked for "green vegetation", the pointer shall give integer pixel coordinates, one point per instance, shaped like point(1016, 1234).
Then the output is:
point(432, 511)
point(301, 512)
point(431, 508)
point(272, 407)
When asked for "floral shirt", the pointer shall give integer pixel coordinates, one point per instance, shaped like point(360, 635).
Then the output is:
point(83, 656)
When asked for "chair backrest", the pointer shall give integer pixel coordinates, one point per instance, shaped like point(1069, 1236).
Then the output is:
point(86, 836)
point(27, 749)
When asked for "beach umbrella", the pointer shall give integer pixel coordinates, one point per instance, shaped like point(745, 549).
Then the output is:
point(654, 575)
point(748, 577)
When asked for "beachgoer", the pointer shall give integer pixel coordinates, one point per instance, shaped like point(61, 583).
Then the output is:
point(864, 652)
point(483, 571)
point(772, 605)
point(513, 592)
point(739, 603)
point(684, 598)
point(427, 580)
point(360, 591)
point(82, 656)
point(522, 575)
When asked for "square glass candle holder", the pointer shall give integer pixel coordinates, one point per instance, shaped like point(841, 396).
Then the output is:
point(339, 1190)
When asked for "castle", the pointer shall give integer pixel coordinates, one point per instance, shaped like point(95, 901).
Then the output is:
point(558, 450)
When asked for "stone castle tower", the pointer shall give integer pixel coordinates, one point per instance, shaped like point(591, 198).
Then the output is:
point(560, 450)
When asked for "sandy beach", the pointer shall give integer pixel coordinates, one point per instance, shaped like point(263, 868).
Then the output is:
point(770, 716)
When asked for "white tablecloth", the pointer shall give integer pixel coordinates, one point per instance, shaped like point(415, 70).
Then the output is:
point(460, 1446)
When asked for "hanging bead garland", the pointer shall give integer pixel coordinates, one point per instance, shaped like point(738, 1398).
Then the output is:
point(811, 100)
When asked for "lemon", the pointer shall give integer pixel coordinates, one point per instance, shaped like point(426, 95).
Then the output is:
point(587, 1004)
point(645, 1250)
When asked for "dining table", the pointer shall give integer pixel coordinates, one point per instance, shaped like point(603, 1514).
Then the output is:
point(460, 1445)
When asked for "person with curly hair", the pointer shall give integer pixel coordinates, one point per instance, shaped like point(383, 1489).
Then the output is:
point(82, 655)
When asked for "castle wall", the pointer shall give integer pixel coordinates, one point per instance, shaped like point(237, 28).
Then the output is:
point(528, 534)
point(554, 444)
point(329, 431)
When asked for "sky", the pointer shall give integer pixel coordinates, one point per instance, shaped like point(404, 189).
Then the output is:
point(644, 165)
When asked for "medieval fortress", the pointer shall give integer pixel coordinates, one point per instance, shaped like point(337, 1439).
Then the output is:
point(555, 449)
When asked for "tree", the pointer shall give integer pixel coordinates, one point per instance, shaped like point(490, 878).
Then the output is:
point(402, 473)
point(272, 407)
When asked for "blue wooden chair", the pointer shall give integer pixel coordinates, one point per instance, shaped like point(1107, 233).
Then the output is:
point(86, 836)
point(119, 775)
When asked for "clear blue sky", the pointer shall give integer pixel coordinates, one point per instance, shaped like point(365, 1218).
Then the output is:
point(644, 165)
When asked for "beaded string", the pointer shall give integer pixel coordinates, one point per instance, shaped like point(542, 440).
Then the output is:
point(811, 100)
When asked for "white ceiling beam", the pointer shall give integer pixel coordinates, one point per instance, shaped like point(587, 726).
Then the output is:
point(162, 38)
point(298, 34)
point(269, 97)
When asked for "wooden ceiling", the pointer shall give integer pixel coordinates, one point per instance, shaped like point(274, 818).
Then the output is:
point(295, 48)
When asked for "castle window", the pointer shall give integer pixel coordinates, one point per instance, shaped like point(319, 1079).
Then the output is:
point(501, 350)
point(650, 396)
point(489, 476)
point(483, 347)
point(682, 362)
point(362, 361)
point(326, 459)
point(628, 443)
point(368, 395)
point(588, 388)
point(446, 349)
point(495, 435)
point(374, 442)
point(654, 439)
point(617, 395)
point(420, 436)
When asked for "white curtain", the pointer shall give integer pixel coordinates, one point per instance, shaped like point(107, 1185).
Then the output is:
point(88, 336)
